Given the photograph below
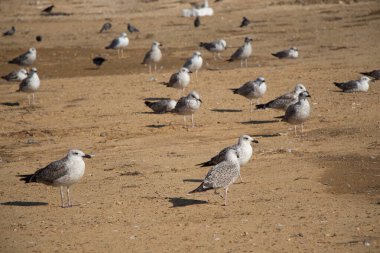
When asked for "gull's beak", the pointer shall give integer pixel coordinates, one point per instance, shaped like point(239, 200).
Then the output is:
point(160, 44)
point(255, 141)
point(88, 156)
point(200, 100)
point(190, 72)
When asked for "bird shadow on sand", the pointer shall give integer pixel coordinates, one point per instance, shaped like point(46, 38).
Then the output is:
point(265, 135)
point(10, 103)
point(181, 202)
point(258, 122)
point(148, 99)
point(226, 110)
point(23, 203)
point(91, 68)
point(156, 126)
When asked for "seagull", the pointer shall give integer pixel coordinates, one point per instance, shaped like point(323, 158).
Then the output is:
point(106, 27)
point(197, 22)
point(215, 47)
point(119, 44)
point(30, 84)
point(25, 59)
point(98, 61)
point(188, 106)
point(375, 74)
point(355, 85)
point(179, 80)
point(132, 28)
point(221, 175)
point(243, 149)
point(243, 52)
point(245, 22)
point(64, 172)
point(162, 106)
point(10, 32)
point(299, 112)
point(16, 76)
point(194, 63)
point(291, 53)
point(48, 9)
point(252, 89)
point(283, 102)
point(154, 55)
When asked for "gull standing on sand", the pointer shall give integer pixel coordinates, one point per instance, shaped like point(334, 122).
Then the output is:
point(132, 28)
point(188, 106)
point(179, 80)
point(283, 102)
point(361, 85)
point(298, 113)
point(243, 52)
point(222, 175)
point(16, 76)
point(245, 22)
point(194, 63)
point(162, 106)
point(252, 89)
point(154, 55)
point(291, 53)
point(64, 172)
point(25, 59)
point(119, 44)
point(375, 74)
point(30, 84)
point(216, 47)
point(243, 149)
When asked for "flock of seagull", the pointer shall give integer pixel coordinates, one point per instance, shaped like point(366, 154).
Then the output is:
point(226, 164)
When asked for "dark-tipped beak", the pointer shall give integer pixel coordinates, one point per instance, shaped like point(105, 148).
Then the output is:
point(200, 100)
point(88, 156)
point(255, 141)
point(160, 44)
point(190, 72)
point(308, 95)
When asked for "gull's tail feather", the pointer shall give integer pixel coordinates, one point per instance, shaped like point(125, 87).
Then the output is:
point(27, 178)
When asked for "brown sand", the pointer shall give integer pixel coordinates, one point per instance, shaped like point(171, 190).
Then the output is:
point(315, 194)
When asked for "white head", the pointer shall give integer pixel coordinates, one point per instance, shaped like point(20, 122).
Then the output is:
point(299, 88)
point(260, 80)
point(222, 42)
point(248, 39)
point(303, 95)
point(364, 79)
point(194, 95)
point(197, 53)
point(294, 49)
point(33, 70)
point(23, 71)
point(185, 70)
point(156, 44)
point(32, 50)
point(76, 153)
point(246, 139)
point(123, 35)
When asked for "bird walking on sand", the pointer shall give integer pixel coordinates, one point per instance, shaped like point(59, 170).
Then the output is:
point(188, 106)
point(10, 32)
point(361, 85)
point(30, 84)
point(179, 80)
point(298, 113)
point(16, 76)
point(243, 149)
point(282, 102)
point(375, 74)
point(221, 175)
point(194, 63)
point(291, 53)
point(120, 44)
point(25, 59)
point(243, 52)
point(154, 55)
point(65, 172)
point(162, 106)
point(245, 22)
point(252, 90)
point(216, 47)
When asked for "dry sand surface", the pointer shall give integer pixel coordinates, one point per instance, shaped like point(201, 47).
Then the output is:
point(319, 193)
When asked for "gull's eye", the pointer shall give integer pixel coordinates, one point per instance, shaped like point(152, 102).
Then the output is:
point(75, 153)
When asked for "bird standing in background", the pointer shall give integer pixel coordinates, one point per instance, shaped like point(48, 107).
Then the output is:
point(25, 59)
point(194, 63)
point(215, 47)
point(10, 32)
point(245, 22)
point(154, 55)
point(106, 27)
point(17, 75)
point(30, 84)
point(179, 80)
point(252, 89)
point(119, 44)
point(162, 106)
point(243, 52)
point(98, 61)
point(132, 28)
point(298, 113)
point(188, 106)
point(197, 22)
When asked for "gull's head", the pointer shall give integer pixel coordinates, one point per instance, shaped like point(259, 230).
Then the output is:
point(299, 88)
point(197, 53)
point(185, 70)
point(248, 39)
point(156, 44)
point(222, 42)
point(32, 50)
point(195, 95)
point(246, 139)
point(33, 70)
point(364, 79)
point(76, 153)
point(260, 80)
point(24, 71)
point(124, 35)
point(294, 49)
point(304, 94)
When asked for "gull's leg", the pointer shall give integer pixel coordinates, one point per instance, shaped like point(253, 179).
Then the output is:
point(241, 63)
point(241, 179)
point(155, 68)
point(295, 130)
point(225, 195)
point(68, 196)
point(150, 69)
point(246, 63)
point(29, 98)
point(301, 129)
point(62, 205)
point(192, 120)
point(196, 76)
point(184, 120)
point(214, 56)
point(250, 105)
point(33, 99)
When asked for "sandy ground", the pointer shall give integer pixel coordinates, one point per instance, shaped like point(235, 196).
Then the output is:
point(319, 193)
